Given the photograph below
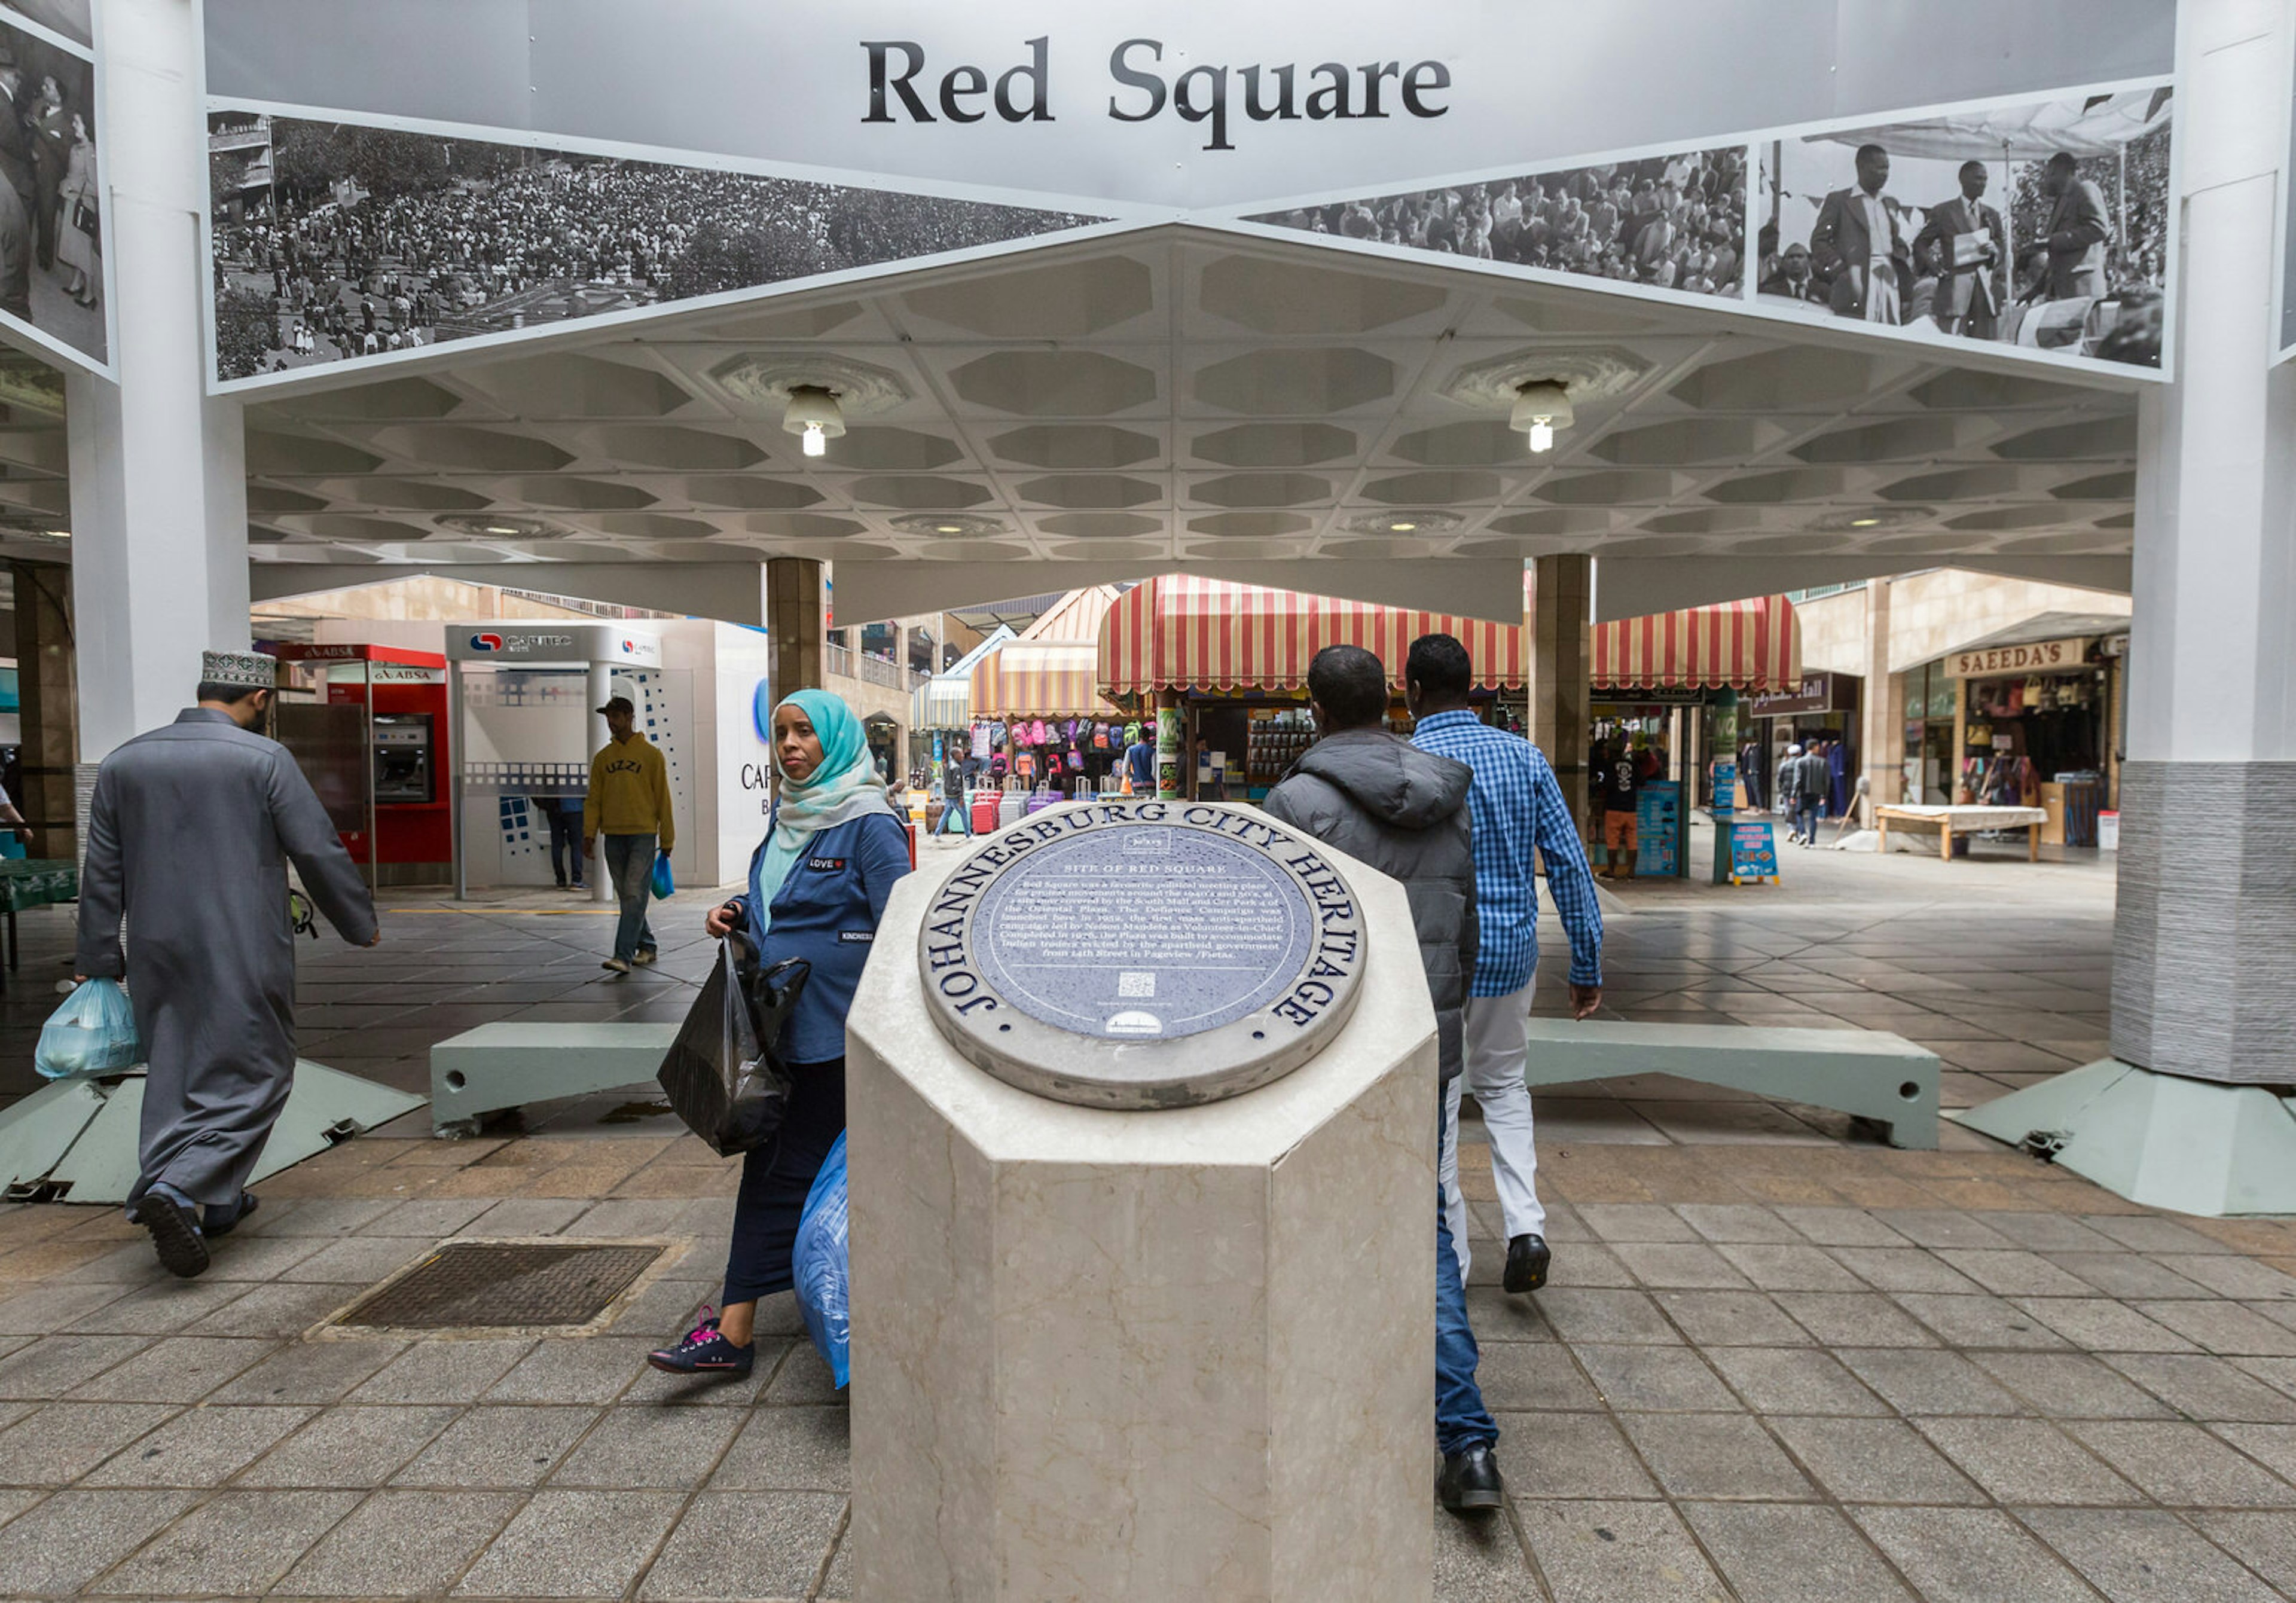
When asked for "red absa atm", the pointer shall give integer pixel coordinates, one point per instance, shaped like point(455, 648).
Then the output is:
point(402, 694)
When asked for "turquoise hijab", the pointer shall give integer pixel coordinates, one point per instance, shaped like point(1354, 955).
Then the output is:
point(845, 787)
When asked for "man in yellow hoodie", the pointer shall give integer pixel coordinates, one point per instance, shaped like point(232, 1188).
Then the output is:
point(628, 803)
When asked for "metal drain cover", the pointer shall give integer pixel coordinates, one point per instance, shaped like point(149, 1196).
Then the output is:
point(480, 1285)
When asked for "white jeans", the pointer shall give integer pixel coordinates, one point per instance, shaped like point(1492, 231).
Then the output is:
point(1498, 1034)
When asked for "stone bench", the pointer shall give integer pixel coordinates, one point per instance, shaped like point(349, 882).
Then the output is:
point(499, 1065)
point(1867, 1073)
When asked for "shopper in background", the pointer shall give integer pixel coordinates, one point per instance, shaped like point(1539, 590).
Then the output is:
point(1140, 764)
point(562, 816)
point(628, 803)
point(1518, 810)
point(1799, 784)
point(1403, 812)
point(818, 884)
point(1620, 782)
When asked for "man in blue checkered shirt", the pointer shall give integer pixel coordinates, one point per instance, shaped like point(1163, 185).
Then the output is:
point(1515, 805)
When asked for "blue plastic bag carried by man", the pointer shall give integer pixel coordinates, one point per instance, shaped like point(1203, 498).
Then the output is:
point(665, 883)
point(818, 1261)
point(92, 1033)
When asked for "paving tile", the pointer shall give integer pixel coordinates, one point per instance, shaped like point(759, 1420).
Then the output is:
point(360, 1260)
point(649, 1447)
point(322, 1216)
point(744, 1545)
point(2265, 1542)
point(1928, 1381)
point(1476, 1561)
point(1617, 1552)
point(2070, 1385)
point(1793, 1380)
point(1651, 1377)
point(1789, 1268)
point(1583, 1264)
point(2226, 1328)
point(51, 1368)
point(2182, 1466)
point(442, 1371)
point(573, 1544)
point(237, 1544)
point(1498, 1316)
point(1903, 1268)
point(1661, 1263)
point(1849, 1318)
point(200, 1447)
point(2205, 1389)
point(1874, 1461)
point(1587, 1314)
point(2272, 1445)
point(53, 1306)
point(790, 1450)
point(1969, 1555)
point(1840, 1227)
point(158, 1310)
point(801, 1377)
point(1569, 1455)
point(503, 1446)
point(1721, 1223)
point(176, 1368)
point(2046, 1232)
point(63, 1440)
point(2016, 1273)
point(1830, 1560)
point(258, 1257)
point(1532, 1375)
point(2145, 1556)
point(2126, 1274)
point(349, 1446)
point(313, 1371)
point(2148, 1233)
point(1731, 1318)
point(74, 1536)
point(1981, 1321)
point(2099, 1325)
point(592, 1370)
point(1616, 1221)
point(527, 1216)
point(277, 1310)
point(1713, 1455)
point(1941, 1227)
point(2026, 1461)
point(401, 1544)
point(434, 1218)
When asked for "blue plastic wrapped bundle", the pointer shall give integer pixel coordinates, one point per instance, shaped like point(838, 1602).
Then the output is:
point(94, 1032)
point(819, 1264)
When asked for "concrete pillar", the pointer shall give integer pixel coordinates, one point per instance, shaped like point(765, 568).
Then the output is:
point(2204, 972)
point(794, 617)
point(50, 743)
point(1881, 710)
point(159, 470)
point(1562, 593)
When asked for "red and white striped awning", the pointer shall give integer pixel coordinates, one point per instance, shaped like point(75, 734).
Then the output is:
point(1183, 630)
point(1750, 645)
point(1039, 679)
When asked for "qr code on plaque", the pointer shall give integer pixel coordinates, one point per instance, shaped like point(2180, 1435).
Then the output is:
point(1135, 984)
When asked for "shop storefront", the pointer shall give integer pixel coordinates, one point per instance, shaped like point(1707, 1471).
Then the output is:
point(1222, 668)
point(1821, 707)
point(2032, 729)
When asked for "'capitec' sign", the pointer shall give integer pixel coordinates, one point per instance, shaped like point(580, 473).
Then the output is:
point(1999, 662)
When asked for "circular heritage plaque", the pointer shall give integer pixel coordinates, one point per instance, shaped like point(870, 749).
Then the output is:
point(1143, 953)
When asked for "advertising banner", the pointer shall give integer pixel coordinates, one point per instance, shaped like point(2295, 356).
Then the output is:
point(485, 163)
point(1753, 854)
point(53, 288)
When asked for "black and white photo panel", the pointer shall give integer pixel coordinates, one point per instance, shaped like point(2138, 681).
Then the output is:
point(52, 200)
point(338, 241)
point(2041, 227)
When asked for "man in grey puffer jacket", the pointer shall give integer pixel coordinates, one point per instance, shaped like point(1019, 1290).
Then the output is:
point(1403, 812)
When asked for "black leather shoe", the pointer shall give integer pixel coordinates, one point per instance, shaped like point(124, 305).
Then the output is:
point(1527, 1261)
point(1470, 1481)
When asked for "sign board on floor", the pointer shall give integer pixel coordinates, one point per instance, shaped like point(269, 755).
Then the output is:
point(1753, 854)
point(1658, 829)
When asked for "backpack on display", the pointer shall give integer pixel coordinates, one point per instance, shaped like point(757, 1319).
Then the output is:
point(1100, 737)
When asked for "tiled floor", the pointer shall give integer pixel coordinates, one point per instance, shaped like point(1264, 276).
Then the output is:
point(1778, 1361)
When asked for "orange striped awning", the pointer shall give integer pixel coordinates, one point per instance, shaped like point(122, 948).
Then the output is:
point(1183, 630)
point(1751, 645)
point(1039, 679)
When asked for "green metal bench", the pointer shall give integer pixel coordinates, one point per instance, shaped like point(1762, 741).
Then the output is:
point(499, 1065)
point(1866, 1073)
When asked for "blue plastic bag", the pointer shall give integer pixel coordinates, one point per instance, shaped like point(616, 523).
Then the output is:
point(94, 1032)
point(664, 885)
point(818, 1263)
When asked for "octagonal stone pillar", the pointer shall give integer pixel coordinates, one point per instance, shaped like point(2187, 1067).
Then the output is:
point(1178, 1354)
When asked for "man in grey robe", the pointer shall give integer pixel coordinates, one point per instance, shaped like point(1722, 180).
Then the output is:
point(190, 834)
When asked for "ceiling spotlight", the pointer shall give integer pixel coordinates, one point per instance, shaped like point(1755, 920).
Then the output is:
point(1541, 406)
point(1401, 527)
point(498, 528)
point(948, 528)
point(1864, 522)
point(813, 416)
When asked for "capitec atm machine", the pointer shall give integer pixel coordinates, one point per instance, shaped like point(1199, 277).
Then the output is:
point(375, 741)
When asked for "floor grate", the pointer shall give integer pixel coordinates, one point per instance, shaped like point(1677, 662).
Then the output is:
point(477, 1285)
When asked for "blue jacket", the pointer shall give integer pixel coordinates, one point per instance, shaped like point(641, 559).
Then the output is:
point(826, 912)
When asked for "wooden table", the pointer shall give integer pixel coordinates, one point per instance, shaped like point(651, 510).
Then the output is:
point(1945, 821)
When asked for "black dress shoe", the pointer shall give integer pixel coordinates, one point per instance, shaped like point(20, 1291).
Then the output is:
point(1526, 1265)
point(1471, 1480)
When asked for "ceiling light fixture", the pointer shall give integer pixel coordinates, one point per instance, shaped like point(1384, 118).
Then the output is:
point(948, 528)
point(498, 528)
point(813, 414)
point(1541, 406)
point(1401, 528)
point(1864, 522)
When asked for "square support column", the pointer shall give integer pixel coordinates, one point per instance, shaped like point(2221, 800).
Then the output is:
point(50, 744)
point(1881, 710)
point(1562, 595)
point(794, 618)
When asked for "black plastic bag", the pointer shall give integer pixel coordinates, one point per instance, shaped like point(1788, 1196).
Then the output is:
point(722, 1076)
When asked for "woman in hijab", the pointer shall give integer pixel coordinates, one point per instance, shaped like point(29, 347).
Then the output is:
point(819, 883)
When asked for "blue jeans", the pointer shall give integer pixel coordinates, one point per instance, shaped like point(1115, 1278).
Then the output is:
point(629, 869)
point(565, 839)
point(1461, 1419)
point(1805, 816)
point(955, 817)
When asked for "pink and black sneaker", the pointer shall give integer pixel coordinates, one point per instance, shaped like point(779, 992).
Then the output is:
point(705, 1352)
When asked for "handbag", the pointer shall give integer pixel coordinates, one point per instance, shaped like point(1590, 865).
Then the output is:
point(87, 217)
point(724, 1074)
